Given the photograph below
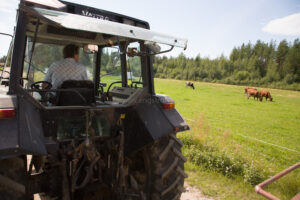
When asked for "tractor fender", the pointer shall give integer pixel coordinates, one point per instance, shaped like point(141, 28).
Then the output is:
point(147, 121)
point(173, 115)
point(22, 134)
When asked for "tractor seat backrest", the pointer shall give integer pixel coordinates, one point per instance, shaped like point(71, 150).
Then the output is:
point(82, 93)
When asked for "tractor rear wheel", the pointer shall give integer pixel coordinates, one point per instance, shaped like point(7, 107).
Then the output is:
point(164, 174)
point(13, 179)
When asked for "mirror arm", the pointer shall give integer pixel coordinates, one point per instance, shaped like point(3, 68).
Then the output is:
point(7, 34)
point(132, 54)
point(166, 51)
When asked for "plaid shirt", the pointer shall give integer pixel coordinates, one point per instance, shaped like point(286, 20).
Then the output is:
point(66, 69)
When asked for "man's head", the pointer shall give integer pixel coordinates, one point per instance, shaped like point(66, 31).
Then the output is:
point(71, 51)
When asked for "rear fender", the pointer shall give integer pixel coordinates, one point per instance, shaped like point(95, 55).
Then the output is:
point(173, 115)
point(22, 134)
point(147, 122)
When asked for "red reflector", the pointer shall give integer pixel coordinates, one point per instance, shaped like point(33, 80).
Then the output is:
point(7, 113)
point(168, 106)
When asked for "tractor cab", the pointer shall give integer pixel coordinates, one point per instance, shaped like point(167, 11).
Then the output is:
point(115, 50)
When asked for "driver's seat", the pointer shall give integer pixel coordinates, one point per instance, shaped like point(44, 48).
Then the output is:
point(79, 93)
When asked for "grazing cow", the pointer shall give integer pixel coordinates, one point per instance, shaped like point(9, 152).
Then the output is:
point(190, 84)
point(266, 94)
point(254, 93)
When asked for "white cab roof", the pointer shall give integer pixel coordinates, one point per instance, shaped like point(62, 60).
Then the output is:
point(78, 22)
point(49, 3)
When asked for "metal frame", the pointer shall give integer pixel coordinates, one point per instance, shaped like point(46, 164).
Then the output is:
point(18, 53)
point(259, 188)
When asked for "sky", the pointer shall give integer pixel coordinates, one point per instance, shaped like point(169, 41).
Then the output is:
point(213, 28)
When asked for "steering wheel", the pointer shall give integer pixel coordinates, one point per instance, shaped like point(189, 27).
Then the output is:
point(112, 85)
point(4, 71)
point(37, 85)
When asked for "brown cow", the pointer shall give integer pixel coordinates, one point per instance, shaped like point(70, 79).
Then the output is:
point(190, 84)
point(254, 93)
point(266, 94)
point(249, 88)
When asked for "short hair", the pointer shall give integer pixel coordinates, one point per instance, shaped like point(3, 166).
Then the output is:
point(70, 50)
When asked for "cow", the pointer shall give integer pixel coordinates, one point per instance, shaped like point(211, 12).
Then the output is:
point(249, 88)
point(190, 84)
point(266, 94)
point(254, 93)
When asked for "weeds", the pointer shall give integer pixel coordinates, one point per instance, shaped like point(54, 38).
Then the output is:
point(211, 158)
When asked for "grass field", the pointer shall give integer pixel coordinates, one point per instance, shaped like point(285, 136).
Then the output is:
point(264, 136)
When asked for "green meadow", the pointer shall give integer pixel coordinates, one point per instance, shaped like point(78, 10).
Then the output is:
point(234, 142)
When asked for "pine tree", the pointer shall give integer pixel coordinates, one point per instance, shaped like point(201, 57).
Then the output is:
point(281, 54)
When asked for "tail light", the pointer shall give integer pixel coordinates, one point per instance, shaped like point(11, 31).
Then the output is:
point(7, 113)
point(166, 101)
point(169, 106)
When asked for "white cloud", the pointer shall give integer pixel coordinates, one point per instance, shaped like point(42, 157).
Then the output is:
point(289, 25)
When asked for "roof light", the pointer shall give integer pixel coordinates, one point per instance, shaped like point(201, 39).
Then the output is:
point(7, 113)
point(169, 106)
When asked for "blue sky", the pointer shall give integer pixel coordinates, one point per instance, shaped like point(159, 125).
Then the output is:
point(212, 27)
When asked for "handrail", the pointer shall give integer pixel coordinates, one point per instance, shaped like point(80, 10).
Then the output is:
point(259, 187)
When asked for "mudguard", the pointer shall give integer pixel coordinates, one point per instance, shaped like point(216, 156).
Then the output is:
point(148, 121)
point(173, 115)
point(31, 135)
point(22, 134)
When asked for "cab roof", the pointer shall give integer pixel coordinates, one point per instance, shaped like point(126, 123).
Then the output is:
point(94, 27)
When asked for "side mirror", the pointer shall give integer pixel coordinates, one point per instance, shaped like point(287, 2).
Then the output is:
point(90, 48)
point(153, 46)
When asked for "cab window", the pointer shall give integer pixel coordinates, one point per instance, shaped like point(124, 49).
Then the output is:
point(42, 58)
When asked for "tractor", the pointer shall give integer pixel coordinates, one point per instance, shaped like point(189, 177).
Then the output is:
point(108, 137)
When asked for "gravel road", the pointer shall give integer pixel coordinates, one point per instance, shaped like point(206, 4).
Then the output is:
point(192, 193)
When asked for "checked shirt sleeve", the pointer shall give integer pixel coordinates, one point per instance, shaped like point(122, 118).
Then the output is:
point(48, 76)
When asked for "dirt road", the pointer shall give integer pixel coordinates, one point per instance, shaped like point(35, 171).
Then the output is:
point(192, 193)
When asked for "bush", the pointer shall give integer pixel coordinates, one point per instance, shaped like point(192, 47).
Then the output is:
point(252, 175)
point(211, 158)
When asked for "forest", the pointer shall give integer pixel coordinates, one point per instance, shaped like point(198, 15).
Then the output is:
point(260, 64)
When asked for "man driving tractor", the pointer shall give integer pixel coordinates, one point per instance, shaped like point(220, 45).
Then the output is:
point(66, 69)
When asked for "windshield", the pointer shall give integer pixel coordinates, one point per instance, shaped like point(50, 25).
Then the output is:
point(111, 72)
point(110, 66)
point(134, 73)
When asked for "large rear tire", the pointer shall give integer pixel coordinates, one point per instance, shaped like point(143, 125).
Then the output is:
point(164, 169)
point(13, 179)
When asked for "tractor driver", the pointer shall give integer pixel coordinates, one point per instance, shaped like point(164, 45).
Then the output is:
point(66, 69)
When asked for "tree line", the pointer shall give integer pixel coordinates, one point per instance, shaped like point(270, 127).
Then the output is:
point(260, 64)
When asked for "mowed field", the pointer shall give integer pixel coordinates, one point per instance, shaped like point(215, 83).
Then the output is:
point(264, 134)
